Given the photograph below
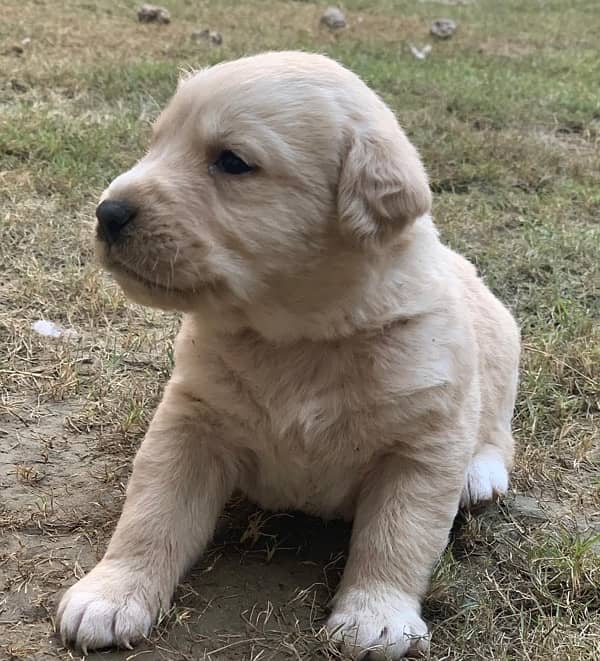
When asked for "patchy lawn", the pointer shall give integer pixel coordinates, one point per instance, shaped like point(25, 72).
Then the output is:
point(507, 117)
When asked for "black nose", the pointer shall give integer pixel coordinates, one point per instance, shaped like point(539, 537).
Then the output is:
point(112, 216)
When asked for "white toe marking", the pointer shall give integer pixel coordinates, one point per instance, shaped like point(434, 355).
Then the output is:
point(486, 479)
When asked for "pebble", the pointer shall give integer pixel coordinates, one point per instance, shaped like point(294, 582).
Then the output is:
point(333, 18)
point(443, 28)
point(153, 14)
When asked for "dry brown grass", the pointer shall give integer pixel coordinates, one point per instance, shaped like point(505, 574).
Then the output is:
point(507, 117)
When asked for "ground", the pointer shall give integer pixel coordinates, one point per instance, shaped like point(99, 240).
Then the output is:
point(506, 114)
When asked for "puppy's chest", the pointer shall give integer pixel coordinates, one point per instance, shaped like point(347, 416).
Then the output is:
point(310, 399)
point(310, 452)
point(315, 418)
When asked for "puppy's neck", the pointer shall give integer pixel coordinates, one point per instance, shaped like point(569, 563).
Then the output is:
point(363, 294)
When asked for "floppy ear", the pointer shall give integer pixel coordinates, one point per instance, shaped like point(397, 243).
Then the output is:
point(383, 186)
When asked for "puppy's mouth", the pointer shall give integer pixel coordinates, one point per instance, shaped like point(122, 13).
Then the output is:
point(153, 286)
point(119, 268)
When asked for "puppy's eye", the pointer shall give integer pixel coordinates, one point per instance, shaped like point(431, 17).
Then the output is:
point(231, 163)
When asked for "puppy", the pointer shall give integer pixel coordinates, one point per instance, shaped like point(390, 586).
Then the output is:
point(334, 356)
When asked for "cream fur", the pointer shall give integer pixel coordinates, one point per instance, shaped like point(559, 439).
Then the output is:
point(334, 356)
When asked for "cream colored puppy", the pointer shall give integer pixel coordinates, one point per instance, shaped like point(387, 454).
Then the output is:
point(334, 356)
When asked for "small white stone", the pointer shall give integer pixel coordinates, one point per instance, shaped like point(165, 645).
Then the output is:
point(422, 53)
point(50, 329)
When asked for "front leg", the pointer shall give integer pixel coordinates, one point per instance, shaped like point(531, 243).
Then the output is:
point(403, 518)
point(180, 482)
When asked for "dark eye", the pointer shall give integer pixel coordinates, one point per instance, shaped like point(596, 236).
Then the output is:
point(231, 163)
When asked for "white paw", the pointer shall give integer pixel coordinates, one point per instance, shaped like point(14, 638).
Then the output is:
point(382, 626)
point(110, 607)
point(486, 479)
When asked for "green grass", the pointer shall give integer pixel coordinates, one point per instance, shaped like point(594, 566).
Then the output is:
point(506, 115)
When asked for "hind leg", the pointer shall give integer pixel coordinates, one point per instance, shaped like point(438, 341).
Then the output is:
point(486, 478)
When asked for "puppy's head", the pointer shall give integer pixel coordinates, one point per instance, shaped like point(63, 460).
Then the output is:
point(267, 179)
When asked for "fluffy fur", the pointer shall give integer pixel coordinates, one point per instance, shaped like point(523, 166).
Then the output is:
point(334, 356)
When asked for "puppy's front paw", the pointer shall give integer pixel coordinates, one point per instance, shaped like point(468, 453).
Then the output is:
point(112, 606)
point(380, 625)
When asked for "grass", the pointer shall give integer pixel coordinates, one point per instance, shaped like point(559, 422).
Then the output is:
point(507, 117)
